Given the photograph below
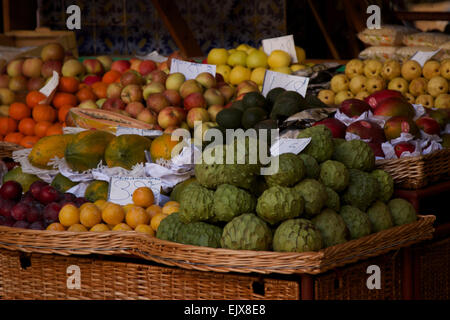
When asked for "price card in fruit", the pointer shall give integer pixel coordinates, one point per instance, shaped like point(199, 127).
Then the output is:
point(287, 145)
point(423, 56)
point(121, 188)
point(274, 79)
point(191, 69)
point(285, 43)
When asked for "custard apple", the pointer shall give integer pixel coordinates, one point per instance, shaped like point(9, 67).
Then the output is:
point(169, 226)
point(230, 201)
point(314, 194)
point(297, 235)
point(279, 203)
point(290, 171)
point(333, 200)
point(199, 234)
point(355, 154)
point(402, 211)
point(321, 145)
point(380, 216)
point(312, 168)
point(332, 227)
point(247, 232)
point(334, 174)
point(357, 222)
point(196, 203)
point(337, 142)
point(385, 184)
point(362, 190)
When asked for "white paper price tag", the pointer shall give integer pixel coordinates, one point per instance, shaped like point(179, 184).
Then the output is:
point(50, 88)
point(190, 69)
point(121, 188)
point(285, 43)
point(141, 132)
point(423, 56)
point(289, 146)
point(274, 79)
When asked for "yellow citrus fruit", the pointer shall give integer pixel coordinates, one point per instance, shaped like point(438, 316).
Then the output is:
point(153, 210)
point(171, 204)
point(217, 56)
point(296, 67)
point(136, 216)
point(301, 55)
point(99, 227)
point(55, 226)
point(251, 50)
point(237, 58)
point(122, 227)
point(285, 70)
point(156, 220)
point(69, 215)
point(90, 215)
point(100, 203)
point(113, 214)
point(145, 228)
point(77, 228)
point(258, 75)
point(279, 58)
point(143, 197)
point(231, 51)
point(127, 207)
point(239, 74)
point(170, 209)
point(256, 59)
point(243, 47)
point(224, 70)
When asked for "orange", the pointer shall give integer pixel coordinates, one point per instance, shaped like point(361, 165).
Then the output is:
point(7, 125)
point(85, 94)
point(127, 207)
point(143, 197)
point(63, 98)
point(171, 204)
point(54, 129)
point(99, 89)
point(19, 111)
point(100, 203)
point(34, 97)
point(161, 147)
point(44, 112)
point(40, 129)
point(69, 215)
point(77, 228)
point(145, 228)
point(29, 141)
point(56, 226)
point(14, 137)
point(122, 227)
point(153, 210)
point(63, 111)
point(136, 216)
point(26, 126)
point(90, 215)
point(68, 84)
point(111, 76)
point(170, 209)
point(100, 227)
point(113, 213)
point(156, 220)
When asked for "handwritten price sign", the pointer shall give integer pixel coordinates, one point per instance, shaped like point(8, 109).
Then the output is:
point(285, 43)
point(274, 79)
point(121, 188)
point(289, 146)
point(423, 56)
point(190, 69)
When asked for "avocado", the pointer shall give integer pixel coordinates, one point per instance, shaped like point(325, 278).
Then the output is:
point(238, 104)
point(254, 100)
point(273, 94)
point(229, 118)
point(284, 108)
point(268, 125)
point(252, 116)
point(291, 96)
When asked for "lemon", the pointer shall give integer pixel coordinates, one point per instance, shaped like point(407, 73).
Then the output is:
point(296, 67)
point(156, 220)
point(237, 58)
point(243, 47)
point(113, 214)
point(301, 55)
point(239, 74)
point(256, 59)
point(90, 215)
point(278, 59)
point(69, 215)
point(77, 228)
point(231, 51)
point(136, 216)
point(251, 50)
point(122, 227)
point(217, 56)
point(145, 228)
point(100, 227)
point(258, 75)
point(225, 71)
point(285, 70)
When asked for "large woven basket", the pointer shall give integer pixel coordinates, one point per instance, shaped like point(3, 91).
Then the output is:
point(218, 260)
point(418, 172)
point(7, 149)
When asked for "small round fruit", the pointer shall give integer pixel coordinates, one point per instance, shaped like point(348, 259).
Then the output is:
point(113, 214)
point(362, 95)
point(170, 209)
point(145, 228)
point(339, 82)
point(136, 216)
point(143, 197)
point(69, 215)
point(122, 227)
point(90, 215)
point(411, 69)
point(100, 227)
point(100, 203)
point(55, 226)
point(278, 58)
point(326, 96)
point(341, 96)
point(409, 97)
point(239, 74)
point(217, 56)
point(77, 228)
point(425, 100)
point(153, 210)
point(156, 220)
point(171, 204)
point(127, 207)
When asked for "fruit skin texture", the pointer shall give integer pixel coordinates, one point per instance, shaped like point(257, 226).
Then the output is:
point(290, 171)
point(357, 222)
point(334, 174)
point(332, 227)
point(314, 194)
point(169, 226)
point(87, 149)
point(230, 202)
point(246, 232)
point(279, 203)
point(62, 183)
point(97, 190)
point(355, 154)
point(199, 234)
point(380, 216)
point(402, 211)
point(196, 203)
point(385, 184)
point(321, 145)
point(333, 201)
point(362, 190)
point(312, 168)
point(297, 235)
point(25, 179)
point(47, 148)
point(126, 151)
point(176, 191)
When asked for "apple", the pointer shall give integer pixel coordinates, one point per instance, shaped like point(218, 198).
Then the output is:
point(114, 90)
point(206, 79)
point(131, 93)
point(7, 96)
point(88, 104)
point(72, 68)
point(194, 100)
point(18, 83)
point(121, 65)
point(197, 114)
point(246, 83)
point(49, 66)
point(35, 83)
point(134, 64)
point(214, 110)
point(180, 113)
point(134, 108)
point(151, 88)
point(403, 147)
point(167, 117)
point(200, 131)
point(157, 102)
point(147, 116)
point(214, 97)
point(227, 91)
point(106, 62)
point(31, 67)
point(157, 76)
point(52, 51)
point(91, 79)
point(174, 81)
point(93, 66)
point(245, 87)
point(173, 97)
point(130, 77)
point(14, 67)
point(11, 190)
point(4, 81)
point(219, 80)
point(114, 104)
point(190, 86)
point(146, 67)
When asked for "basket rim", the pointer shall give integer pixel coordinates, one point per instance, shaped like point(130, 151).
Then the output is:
point(413, 159)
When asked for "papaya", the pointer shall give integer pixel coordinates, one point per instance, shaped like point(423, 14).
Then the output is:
point(87, 149)
point(97, 190)
point(24, 179)
point(62, 183)
point(126, 151)
point(47, 148)
point(162, 146)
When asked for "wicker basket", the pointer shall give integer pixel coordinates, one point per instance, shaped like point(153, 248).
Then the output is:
point(418, 172)
point(43, 276)
point(218, 260)
point(7, 149)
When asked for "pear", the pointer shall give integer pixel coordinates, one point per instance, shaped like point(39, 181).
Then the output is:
point(372, 68)
point(353, 68)
point(431, 68)
point(375, 84)
point(411, 69)
point(445, 69)
point(357, 84)
point(437, 85)
point(425, 100)
point(342, 96)
point(326, 96)
point(362, 95)
point(409, 97)
point(391, 69)
point(398, 84)
point(442, 101)
point(339, 82)
point(418, 86)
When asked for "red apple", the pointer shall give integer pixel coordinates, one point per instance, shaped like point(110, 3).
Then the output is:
point(14, 67)
point(336, 127)
point(227, 91)
point(114, 90)
point(134, 64)
point(32, 67)
point(167, 117)
point(213, 96)
point(131, 93)
point(114, 104)
point(106, 62)
point(157, 76)
point(11, 190)
point(93, 66)
point(157, 102)
point(146, 67)
point(180, 113)
point(91, 79)
point(134, 108)
point(402, 147)
point(130, 77)
point(121, 65)
point(376, 148)
point(18, 83)
point(190, 86)
point(4, 81)
point(147, 116)
point(35, 83)
point(49, 66)
point(173, 97)
point(151, 88)
point(52, 51)
point(194, 100)
point(197, 114)
point(206, 79)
